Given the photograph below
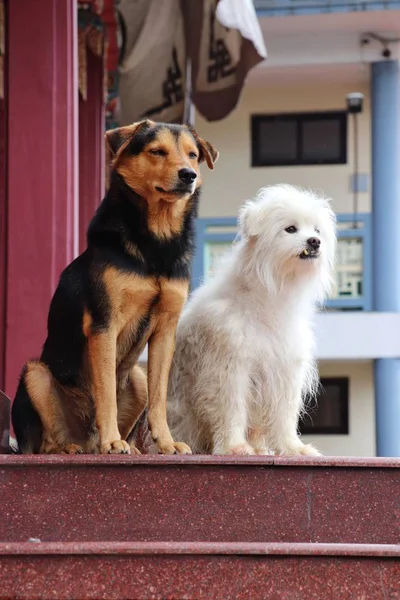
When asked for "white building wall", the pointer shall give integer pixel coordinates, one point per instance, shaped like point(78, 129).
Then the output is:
point(234, 180)
point(361, 438)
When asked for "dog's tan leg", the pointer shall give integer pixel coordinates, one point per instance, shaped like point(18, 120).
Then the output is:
point(40, 387)
point(102, 359)
point(131, 402)
point(50, 447)
point(161, 350)
point(45, 399)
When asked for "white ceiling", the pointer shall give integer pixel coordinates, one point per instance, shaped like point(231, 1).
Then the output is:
point(324, 47)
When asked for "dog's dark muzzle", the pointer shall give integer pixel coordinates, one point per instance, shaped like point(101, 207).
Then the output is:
point(312, 250)
point(187, 176)
point(185, 184)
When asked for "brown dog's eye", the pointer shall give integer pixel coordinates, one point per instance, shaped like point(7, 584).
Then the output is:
point(158, 152)
point(192, 155)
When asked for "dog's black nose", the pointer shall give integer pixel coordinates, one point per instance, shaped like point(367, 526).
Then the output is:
point(314, 242)
point(187, 175)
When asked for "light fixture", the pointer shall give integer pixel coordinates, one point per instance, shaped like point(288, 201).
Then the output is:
point(355, 102)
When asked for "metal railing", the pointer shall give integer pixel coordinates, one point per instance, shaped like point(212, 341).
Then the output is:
point(298, 7)
point(353, 276)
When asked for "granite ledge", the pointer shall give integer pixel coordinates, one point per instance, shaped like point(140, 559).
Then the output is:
point(198, 548)
point(196, 460)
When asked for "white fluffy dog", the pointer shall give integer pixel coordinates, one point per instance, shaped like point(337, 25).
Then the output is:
point(244, 357)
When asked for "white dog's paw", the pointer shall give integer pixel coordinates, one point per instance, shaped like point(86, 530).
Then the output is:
point(299, 449)
point(302, 450)
point(309, 450)
point(263, 451)
point(241, 450)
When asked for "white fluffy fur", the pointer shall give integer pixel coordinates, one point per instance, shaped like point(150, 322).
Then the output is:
point(244, 356)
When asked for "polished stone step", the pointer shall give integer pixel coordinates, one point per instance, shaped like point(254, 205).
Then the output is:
point(201, 571)
point(199, 499)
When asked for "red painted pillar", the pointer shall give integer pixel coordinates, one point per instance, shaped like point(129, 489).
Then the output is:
point(91, 145)
point(43, 211)
point(3, 200)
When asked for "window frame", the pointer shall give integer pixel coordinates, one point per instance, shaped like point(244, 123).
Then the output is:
point(344, 428)
point(299, 118)
point(205, 235)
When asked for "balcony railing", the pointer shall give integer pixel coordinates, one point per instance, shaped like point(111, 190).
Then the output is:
point(307, 7)
point(353, 288)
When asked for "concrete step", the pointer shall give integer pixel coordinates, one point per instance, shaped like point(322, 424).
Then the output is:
point(209, 571)
point(199, 499)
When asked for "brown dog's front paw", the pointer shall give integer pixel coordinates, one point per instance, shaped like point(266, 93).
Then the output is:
point(182, 448)
point(117, 447)
point(173, 448)
point(72, 449)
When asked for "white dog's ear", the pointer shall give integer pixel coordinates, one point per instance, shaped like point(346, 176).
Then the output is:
point(249, 219)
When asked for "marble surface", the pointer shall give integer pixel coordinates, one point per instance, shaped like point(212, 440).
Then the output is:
point(201, 577)
point(199, 528)
point(199, 499)
point(197, 459)
point(36, 547)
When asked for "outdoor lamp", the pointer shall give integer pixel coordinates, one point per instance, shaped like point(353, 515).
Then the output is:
point(355, 102)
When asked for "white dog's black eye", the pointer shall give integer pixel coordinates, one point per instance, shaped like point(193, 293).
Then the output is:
point(317, 230)
point(291, 229)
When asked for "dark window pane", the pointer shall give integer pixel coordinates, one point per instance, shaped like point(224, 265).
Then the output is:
point(321, 140)
point(277, 141)
point(329, 413)
point(299, 139)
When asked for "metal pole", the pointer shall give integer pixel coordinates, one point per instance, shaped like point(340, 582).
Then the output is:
point(386, 241)
point(188, 111)
point(355, 180)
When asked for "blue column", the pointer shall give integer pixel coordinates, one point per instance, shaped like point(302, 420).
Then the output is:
point(386, 242)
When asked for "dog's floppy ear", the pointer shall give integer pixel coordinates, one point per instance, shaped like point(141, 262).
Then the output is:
point(249, 221)
point(206, 150)
point(118, 139)
point(208, 153)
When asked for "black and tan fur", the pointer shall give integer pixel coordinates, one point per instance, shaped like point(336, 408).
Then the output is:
point(128, 287)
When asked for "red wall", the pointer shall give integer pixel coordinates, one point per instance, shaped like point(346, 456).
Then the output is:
point(42, 168)
point(3, 238)
point(55, 170)
point(91, 145)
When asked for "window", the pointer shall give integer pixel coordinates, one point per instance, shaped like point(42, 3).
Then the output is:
point(353, 285)
point(301, 139)
point(329, 413)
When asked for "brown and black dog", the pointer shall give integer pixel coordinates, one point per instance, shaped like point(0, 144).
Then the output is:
point(127, 289)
